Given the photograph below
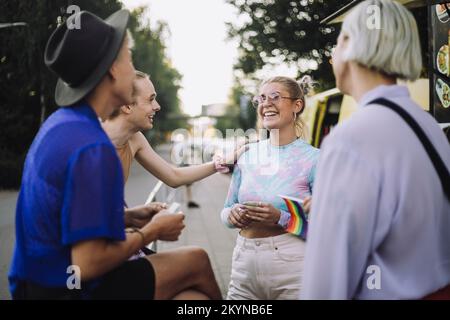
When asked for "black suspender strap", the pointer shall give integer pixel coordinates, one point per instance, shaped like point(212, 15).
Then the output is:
point(439, 165)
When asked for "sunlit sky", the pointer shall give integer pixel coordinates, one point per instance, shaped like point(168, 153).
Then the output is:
point(197, 48)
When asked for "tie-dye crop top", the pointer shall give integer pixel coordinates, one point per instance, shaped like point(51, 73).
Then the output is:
point(265, 171)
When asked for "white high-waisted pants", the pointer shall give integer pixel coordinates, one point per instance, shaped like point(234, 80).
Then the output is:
point(267, 268)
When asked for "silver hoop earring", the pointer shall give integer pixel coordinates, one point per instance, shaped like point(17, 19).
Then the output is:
point(295, 117)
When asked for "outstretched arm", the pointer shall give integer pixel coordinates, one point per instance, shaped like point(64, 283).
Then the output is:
point(164, 171)
point(168, 173)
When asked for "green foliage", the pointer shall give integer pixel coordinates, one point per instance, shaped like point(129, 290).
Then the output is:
point(27, 86)
point(240, 112)
point(231, 121)
point(242, 99)
point(287, 31)
point(290, 31)
point(150, 57)
point(24, 80)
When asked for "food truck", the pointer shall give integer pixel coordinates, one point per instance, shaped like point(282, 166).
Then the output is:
point(326, 109)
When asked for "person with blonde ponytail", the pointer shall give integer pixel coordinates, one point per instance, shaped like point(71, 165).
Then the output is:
point(267, 261)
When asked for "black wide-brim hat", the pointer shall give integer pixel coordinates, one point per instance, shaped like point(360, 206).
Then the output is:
point(82, 50)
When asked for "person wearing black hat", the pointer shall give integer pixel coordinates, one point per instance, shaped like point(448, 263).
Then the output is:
point(70, 232)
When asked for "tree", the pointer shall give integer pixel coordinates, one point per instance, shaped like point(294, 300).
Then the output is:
point(27, 85)
point(286, 31)
point(290, 32)
point(240, 113)
point(149, 56)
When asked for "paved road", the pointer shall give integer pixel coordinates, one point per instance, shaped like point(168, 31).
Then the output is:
point(203, 226)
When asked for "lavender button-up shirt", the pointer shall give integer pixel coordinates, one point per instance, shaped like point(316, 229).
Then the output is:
point(380, 222)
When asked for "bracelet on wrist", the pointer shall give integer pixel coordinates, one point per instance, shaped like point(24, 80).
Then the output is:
point(136, 230)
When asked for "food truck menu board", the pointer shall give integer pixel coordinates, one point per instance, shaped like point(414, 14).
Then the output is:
point(440, 42)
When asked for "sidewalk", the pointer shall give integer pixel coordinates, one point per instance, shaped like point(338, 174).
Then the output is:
point(203, 225)
point(204, 228)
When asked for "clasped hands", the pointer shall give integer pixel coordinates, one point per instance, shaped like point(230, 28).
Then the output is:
point(153, 219)
point(242, 216)
point(139, 216)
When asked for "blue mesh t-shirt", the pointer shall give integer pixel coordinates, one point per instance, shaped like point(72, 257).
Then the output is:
point(72, 190)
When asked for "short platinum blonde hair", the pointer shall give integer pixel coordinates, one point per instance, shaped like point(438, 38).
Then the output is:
point(393, 48)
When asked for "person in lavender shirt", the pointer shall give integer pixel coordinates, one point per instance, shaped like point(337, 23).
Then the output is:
point(380, 221)
point(267, 261)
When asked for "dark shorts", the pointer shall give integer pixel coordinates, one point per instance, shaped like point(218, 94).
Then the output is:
point(133, 279)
